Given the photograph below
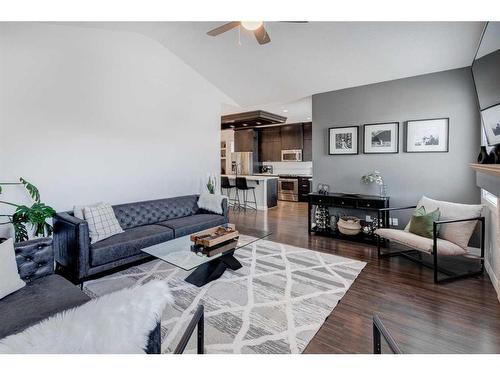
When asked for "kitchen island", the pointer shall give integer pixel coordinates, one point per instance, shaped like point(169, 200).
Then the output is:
point(266, 189)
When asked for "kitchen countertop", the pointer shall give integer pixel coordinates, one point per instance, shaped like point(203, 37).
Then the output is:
point(255, 177)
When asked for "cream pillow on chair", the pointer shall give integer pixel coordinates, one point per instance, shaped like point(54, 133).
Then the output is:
point(458, 233)
point(10, 281)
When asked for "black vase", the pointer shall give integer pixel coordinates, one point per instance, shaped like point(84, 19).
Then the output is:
point(483, 157)
point(495, 155)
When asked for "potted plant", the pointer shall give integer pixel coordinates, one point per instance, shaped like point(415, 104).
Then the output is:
point(211, 184)
point(27, 218)
point(375, 177)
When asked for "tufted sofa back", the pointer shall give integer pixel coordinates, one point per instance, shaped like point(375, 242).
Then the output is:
point(34, 258)
point(132, 215)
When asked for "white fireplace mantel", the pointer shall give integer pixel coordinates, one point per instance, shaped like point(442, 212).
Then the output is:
point(488, 179)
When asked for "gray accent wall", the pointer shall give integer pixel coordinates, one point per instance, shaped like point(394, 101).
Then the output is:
point(444, 176)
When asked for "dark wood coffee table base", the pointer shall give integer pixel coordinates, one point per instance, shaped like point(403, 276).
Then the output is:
point(211, 271)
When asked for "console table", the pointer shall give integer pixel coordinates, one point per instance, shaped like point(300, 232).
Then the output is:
point(358, 203)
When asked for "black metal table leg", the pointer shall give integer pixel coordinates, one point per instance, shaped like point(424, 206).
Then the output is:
point(230, 261)
point(211, 271)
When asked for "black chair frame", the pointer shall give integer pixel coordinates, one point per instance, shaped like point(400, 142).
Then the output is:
point(380, 331)
point(196, 321)
point(226, 190)
point(244, 188)
point(409, 254)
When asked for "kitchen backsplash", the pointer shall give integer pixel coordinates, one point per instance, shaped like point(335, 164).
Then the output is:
point(291, 167)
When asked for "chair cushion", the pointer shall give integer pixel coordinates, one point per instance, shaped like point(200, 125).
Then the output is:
point(458, 233)
point(38, 300)
point(128, 243)
point(194, 223)
point(420, 243)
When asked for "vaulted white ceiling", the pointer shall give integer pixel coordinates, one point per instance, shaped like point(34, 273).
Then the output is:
point(308, 58)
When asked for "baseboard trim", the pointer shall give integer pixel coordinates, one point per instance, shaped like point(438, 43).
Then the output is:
point(493, 278)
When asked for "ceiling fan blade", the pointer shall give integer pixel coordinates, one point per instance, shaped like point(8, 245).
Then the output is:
point(222, 29)
point(261, 35)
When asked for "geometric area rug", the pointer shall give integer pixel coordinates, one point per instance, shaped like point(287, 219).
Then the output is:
point(274, 304)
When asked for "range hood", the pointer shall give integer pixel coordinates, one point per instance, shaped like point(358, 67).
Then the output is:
point(251, 120)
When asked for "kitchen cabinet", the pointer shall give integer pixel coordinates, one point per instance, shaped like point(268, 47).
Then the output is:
point(291, 137)
point(270, 144)
point(271, 140)
point(307, 150)
point(244, 140)
point(304, 188)
point(270, 151)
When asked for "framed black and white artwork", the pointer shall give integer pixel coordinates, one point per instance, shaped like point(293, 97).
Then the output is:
point(381, 138)
point(491, 123)
point(343, 140)
point(429, 135)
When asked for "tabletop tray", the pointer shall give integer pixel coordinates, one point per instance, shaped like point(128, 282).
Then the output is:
point(209, 238)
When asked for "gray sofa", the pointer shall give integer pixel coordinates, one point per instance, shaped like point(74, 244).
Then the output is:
point(144, 223)
point(45, 293)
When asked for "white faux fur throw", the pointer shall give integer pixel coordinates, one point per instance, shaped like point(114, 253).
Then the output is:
point(211, 202)
point(117, 323)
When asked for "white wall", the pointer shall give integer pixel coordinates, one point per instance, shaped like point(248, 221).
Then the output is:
point(93, 115)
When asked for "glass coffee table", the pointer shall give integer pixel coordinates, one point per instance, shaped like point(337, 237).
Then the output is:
point(178, 253)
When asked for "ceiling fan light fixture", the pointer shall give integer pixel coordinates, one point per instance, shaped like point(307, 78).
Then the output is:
point(251, 25)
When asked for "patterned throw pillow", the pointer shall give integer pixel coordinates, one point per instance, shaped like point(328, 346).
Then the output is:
point(78, 210)
point(102, 222)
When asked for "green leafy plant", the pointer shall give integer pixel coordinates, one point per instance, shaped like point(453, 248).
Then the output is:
point(372, 177)
point(211, 185)
point(34, 216)
point(375, 177)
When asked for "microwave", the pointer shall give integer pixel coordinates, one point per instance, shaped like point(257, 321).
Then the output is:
point(291, 155)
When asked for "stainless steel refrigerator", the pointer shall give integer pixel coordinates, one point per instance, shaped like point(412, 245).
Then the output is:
point(242, 163)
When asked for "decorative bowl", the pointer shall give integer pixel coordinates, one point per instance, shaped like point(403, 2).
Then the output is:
point(349, 225)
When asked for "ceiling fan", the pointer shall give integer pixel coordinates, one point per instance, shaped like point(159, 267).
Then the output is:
point(256, 26)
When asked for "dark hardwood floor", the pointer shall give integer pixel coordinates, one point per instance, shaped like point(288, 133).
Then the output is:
point(458, 317)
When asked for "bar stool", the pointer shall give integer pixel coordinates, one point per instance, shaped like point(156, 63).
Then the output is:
point(225, 184)
point(241, 185)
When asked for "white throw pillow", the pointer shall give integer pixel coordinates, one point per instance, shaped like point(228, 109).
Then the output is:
point(78, 210)
point(9, 276)
point(102, 222)
point(458, 233)
point(116, 323)
point(211, 202)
